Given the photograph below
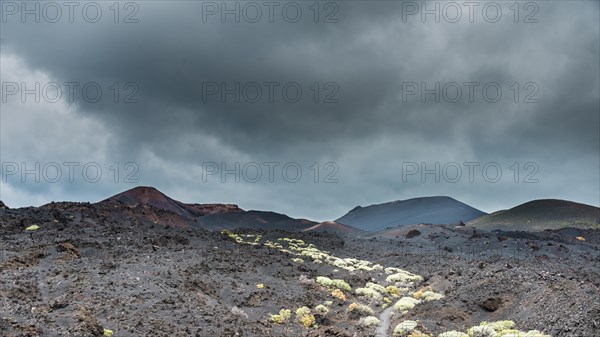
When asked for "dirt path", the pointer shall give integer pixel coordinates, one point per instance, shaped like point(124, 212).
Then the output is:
point(384, 323)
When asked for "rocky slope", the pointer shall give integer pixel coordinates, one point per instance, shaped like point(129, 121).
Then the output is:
point(538, 215)
point(434, 210)
point(127, 269)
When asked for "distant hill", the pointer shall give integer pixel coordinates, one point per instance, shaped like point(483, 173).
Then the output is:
point(332, 227)
point(538, 215)
point(151, 196)
point(433, 210)
point(208, 216)
point(253, 220)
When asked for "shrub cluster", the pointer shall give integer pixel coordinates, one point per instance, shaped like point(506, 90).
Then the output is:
point(404, 328)
point(369, 321)
point(403, 276)
point(486, 331)
point(336, 283)
point(273, 245)
point(284, 315)
point(369, 293)
point(305, 317)
point(427, 295)
point(393, 290)
point(302, 311)
point(339, 295)
point(499, 329)
point(406, 303)
point(453, 333)
point(239, 238)
point(376, 287)
point(360, 309)
point(307, 320)
point(321, 309)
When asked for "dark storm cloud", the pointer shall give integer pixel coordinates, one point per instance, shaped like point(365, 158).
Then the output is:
point(370, 131)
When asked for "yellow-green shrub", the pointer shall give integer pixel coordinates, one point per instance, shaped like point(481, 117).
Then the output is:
point(369, 321)
point(453, 333)
point(284, 315)
point(302, 311)
point(404, 276)
point(360, 309)
point(405, 303)
point(427, 295)
point(376, 287)
point(482, 331)
point(321, 309)
point(393, 290)
point(404, 328)
point(369, 293)
point(337, 283)
point(307, 320)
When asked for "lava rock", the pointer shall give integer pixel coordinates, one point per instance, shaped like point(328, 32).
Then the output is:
point(491, 304)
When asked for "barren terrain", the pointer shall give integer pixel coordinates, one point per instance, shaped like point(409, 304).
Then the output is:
point(91, 267)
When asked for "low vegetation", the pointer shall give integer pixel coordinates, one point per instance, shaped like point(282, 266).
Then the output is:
point(406, 303)
point(495, 329)
point(405, 328)
point(339, 295)
point(321, 309)
point(369, 293)
point(284, 315)
point(427, 295)
point(360, 309)
point(369, 321)
point(336, 283)
point(401, 284)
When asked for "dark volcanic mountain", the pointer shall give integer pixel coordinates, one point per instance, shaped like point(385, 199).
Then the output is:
point(540, 215)
point(256, 220)
point(208, 216)
point(151, 196)
point(433, 210)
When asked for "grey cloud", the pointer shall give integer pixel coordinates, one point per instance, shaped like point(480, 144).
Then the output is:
point(370, 132)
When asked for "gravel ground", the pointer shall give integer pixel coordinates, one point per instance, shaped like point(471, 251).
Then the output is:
point(106, 266)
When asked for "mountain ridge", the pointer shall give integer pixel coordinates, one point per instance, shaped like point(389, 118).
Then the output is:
point(541, 214)
point(151, 196)
point(209, 216)
point(435, 209)
point(533, 215)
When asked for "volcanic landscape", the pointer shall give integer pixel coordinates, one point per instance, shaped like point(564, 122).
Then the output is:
point(142, 264)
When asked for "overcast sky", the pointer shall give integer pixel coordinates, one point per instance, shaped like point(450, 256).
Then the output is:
point(339, 85)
